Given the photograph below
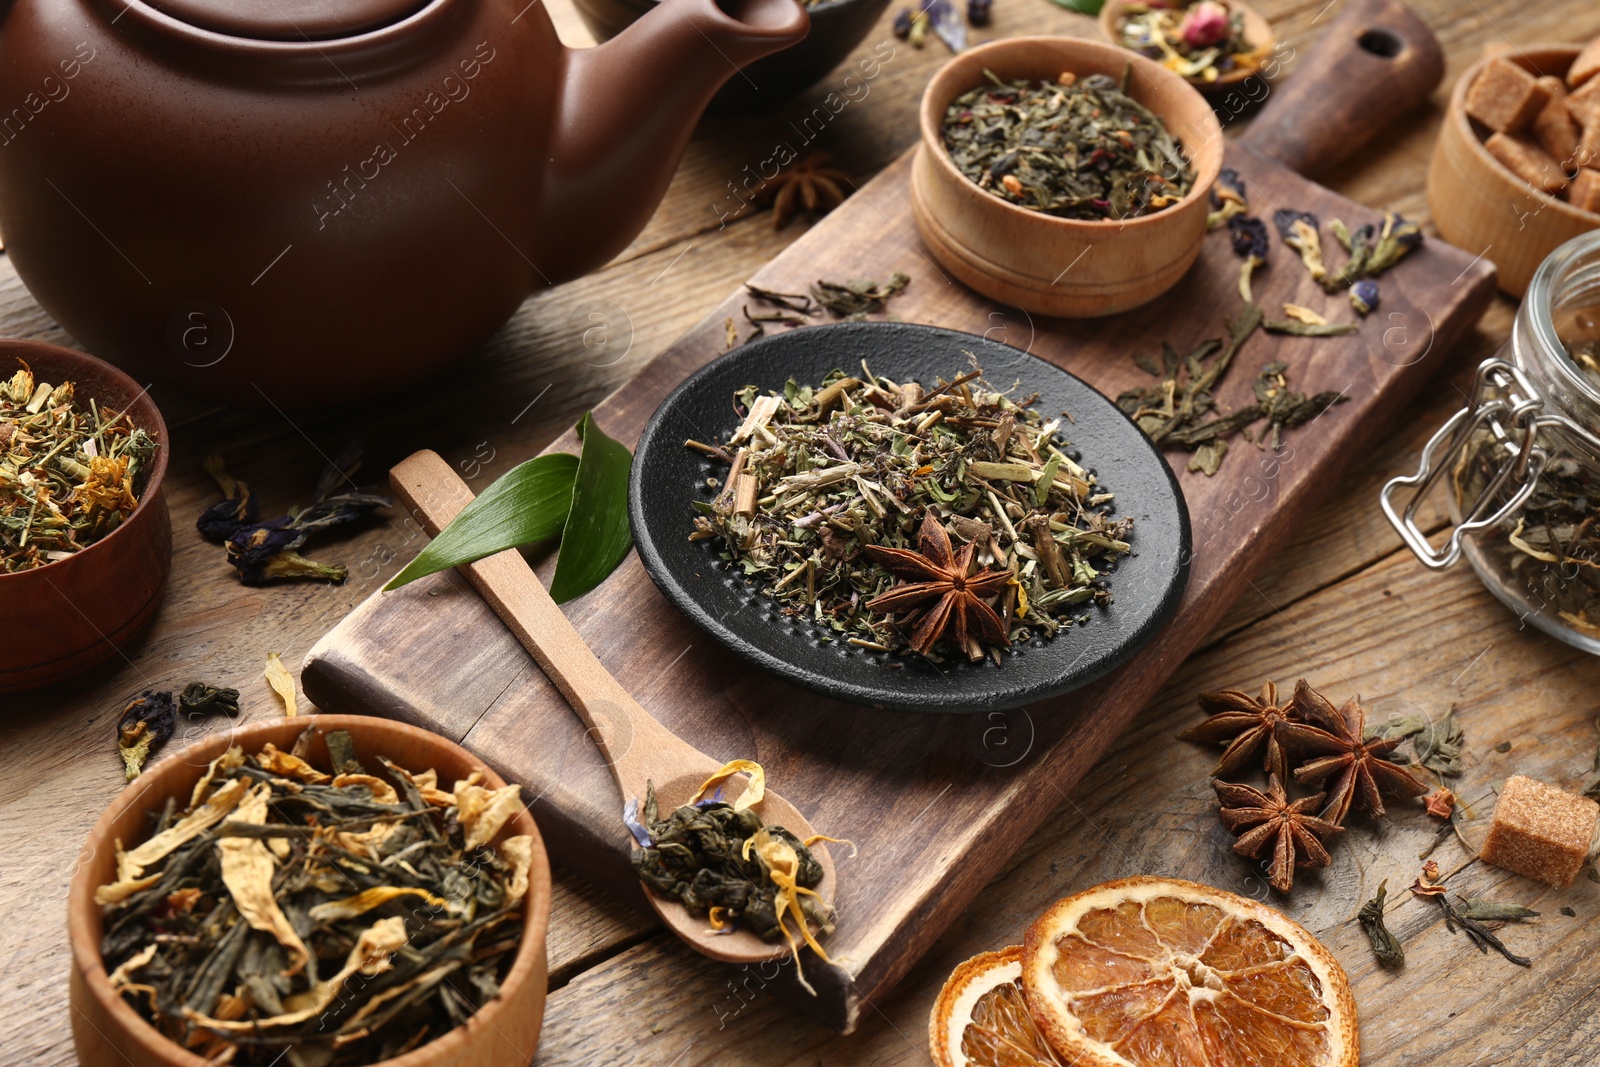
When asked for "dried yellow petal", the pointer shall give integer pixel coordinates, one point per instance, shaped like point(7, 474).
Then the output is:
point(351, 907)
point(282, 683)
point(130, 865)
point(119, 977)
point(753, 792)
point(382, 792)
point(517, 851)
point(247, 869)
point(783, 866)
point(288, 765)
point(229, 760)
point(1304, 314)
point(484, 811)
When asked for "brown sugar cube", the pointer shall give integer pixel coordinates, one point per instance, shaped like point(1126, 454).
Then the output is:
point(1540, 832)
point(1589, 144)
point(1584, 193)
point(1527, 161)
point(1584, 102)
point(1554, 127)
point(1504, 97)
point(1586, 66)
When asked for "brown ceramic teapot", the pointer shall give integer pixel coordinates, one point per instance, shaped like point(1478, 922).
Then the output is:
point(305, 202)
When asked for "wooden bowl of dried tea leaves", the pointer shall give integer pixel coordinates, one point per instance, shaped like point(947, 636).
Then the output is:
point(1063, 176)
point(306, 892)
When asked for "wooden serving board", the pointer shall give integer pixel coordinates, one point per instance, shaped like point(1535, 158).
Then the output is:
point(936, 804)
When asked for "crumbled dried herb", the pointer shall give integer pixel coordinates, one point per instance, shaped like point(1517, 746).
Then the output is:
point(289, 915)
point(818, 474)
point(1075, 148)
point(1437, 743)
point(717, 857)
point(268, 552)
point(858, 297)
point(1385, 946)
point(69, 472)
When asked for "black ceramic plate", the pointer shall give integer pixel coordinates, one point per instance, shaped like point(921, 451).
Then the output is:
point(1145, 586)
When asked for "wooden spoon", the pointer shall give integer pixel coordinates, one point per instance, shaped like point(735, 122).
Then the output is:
point(637, 748)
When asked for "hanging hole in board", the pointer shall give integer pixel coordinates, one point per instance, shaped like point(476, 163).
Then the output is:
point(1380, 42)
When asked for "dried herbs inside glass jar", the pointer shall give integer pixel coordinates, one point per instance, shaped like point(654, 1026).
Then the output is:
point(1522, 460)
point(70, 472)
point(943, 521)
point(316, 918)
point(1077, 148)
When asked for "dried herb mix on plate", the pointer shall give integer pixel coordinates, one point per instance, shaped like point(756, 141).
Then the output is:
point(1076, 149)
point(70, 473)
point(835, 491)
point(321, 920)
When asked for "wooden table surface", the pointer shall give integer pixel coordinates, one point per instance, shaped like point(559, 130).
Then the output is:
point(1343, 605)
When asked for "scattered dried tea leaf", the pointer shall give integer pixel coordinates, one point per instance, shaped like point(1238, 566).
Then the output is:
point(1486, 910)
point(1439, 744)
point(1385, 946)
point(1480, 935)
point(282, 683)
point(1309, 329)
point(858, 297)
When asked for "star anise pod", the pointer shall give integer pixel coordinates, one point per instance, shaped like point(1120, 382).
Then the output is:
point(1271, 818)
point(1248, 726)
point(811, 185)
point(1357, 768)
point(939, 576)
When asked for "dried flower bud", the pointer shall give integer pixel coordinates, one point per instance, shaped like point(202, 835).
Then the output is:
point(979, 11)
point(1249, 236)
point(1204, 25)
point(1364, 296)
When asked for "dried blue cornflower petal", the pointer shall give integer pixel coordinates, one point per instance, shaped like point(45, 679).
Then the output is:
point(1249, 235)
point(979, 11)
point(1299, 231)
point(1364, 296)
point(144, 726)
point(218, 522)
point(902, 23)
point(1229, 186)
point(1285, 220)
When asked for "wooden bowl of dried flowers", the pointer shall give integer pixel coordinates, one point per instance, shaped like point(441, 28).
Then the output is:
point(398, 943)
point(1025, 192)
point(1213, 44)
point(85, 563)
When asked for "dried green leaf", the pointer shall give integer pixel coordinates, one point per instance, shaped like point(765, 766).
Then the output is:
point(1385, 945)
point(1485, 910)
point(1309, 329)
point(1439, 744)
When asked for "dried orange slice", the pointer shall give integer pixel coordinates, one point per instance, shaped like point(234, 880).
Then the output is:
point(1155, 971)
point(981, 1018)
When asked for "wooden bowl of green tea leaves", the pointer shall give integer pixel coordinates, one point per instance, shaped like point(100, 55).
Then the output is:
point(85, 537)
point(1064, 176)
point(335, 890)
point(1215, 44)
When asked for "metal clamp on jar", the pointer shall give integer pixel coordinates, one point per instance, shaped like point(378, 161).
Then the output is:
point(1522, 459)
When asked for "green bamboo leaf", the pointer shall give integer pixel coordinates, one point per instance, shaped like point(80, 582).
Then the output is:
point(597, 536)
point(526, 504)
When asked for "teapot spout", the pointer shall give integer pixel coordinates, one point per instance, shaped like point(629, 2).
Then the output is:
point(627, 110)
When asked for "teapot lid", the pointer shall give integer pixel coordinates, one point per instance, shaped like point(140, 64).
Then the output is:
point(289, 20)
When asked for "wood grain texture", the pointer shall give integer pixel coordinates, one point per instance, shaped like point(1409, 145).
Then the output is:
point(903, 786)
point(572, 346)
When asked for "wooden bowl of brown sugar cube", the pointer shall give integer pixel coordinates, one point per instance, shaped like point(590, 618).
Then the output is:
point(1516, 170)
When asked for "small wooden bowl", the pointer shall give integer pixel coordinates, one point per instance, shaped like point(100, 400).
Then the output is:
point(1257, 33)
point(63, 618)
point(1038, 262)
point(107, 1032)
point(1481, 206)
